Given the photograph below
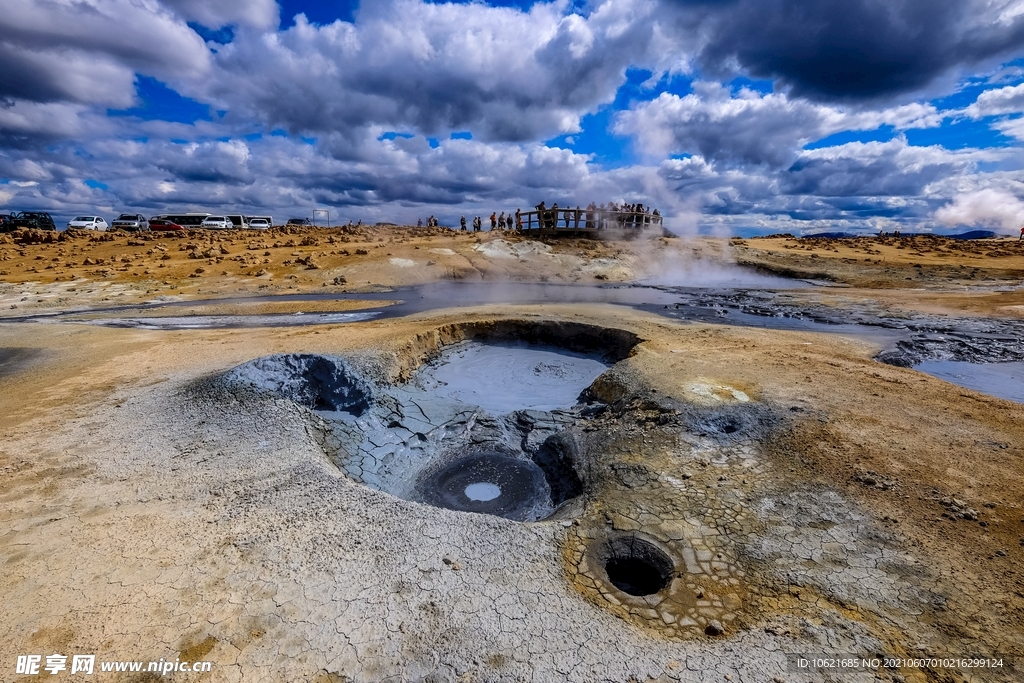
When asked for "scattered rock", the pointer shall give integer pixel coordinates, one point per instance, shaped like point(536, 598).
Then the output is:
point(875, 480)
point(958, 509)
point(714, 628)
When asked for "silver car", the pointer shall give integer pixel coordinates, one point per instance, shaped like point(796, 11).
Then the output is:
point(87, 223)
point(259, 224)
point(131, 222)
point(216, 223)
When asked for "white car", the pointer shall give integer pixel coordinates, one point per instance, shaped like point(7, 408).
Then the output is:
point(87, 223)
point(216, 223)
point(259, 224)
point(132, 222)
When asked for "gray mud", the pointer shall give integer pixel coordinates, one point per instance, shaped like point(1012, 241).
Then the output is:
point(15, 360)
point(502, 378)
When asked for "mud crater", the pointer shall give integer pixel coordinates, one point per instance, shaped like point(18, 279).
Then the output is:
point(479, 418)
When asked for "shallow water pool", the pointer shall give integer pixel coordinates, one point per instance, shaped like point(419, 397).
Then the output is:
point(1005, 380)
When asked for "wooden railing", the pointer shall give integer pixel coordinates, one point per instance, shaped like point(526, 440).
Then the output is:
point(558, 220)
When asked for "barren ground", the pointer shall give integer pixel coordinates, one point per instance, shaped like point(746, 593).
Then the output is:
point(855, 508)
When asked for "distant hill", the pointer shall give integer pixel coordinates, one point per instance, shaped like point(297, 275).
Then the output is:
point(974, 235)
point(834, 235)
point(969, 235)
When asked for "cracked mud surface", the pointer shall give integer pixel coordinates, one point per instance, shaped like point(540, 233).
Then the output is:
point(812, 500)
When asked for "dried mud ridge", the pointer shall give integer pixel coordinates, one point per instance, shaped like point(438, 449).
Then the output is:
point(926, 337)
point(673, 514)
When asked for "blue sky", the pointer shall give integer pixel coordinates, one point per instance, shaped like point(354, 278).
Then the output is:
point(727, 116)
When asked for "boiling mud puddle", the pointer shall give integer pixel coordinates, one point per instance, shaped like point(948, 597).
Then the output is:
point(502, 378)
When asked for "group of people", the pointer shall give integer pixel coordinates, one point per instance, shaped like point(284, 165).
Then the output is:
point(498, 221)
point(611, 215)
point(624, 216)
point(431, 222)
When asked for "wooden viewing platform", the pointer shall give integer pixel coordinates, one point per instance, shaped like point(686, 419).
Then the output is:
point(595, 222)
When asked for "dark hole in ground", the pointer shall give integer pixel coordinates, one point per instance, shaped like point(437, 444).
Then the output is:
point(725, 423)
point(637, 567)
point(634, 576)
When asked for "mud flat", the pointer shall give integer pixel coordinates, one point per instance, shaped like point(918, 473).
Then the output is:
point(718, 500)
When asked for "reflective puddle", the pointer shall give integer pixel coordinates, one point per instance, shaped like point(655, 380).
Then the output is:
point(1004, 380)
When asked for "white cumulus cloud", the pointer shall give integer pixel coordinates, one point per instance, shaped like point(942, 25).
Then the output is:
point(990, 208)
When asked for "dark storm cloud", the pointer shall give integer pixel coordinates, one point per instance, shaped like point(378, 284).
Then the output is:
point(853, 49)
